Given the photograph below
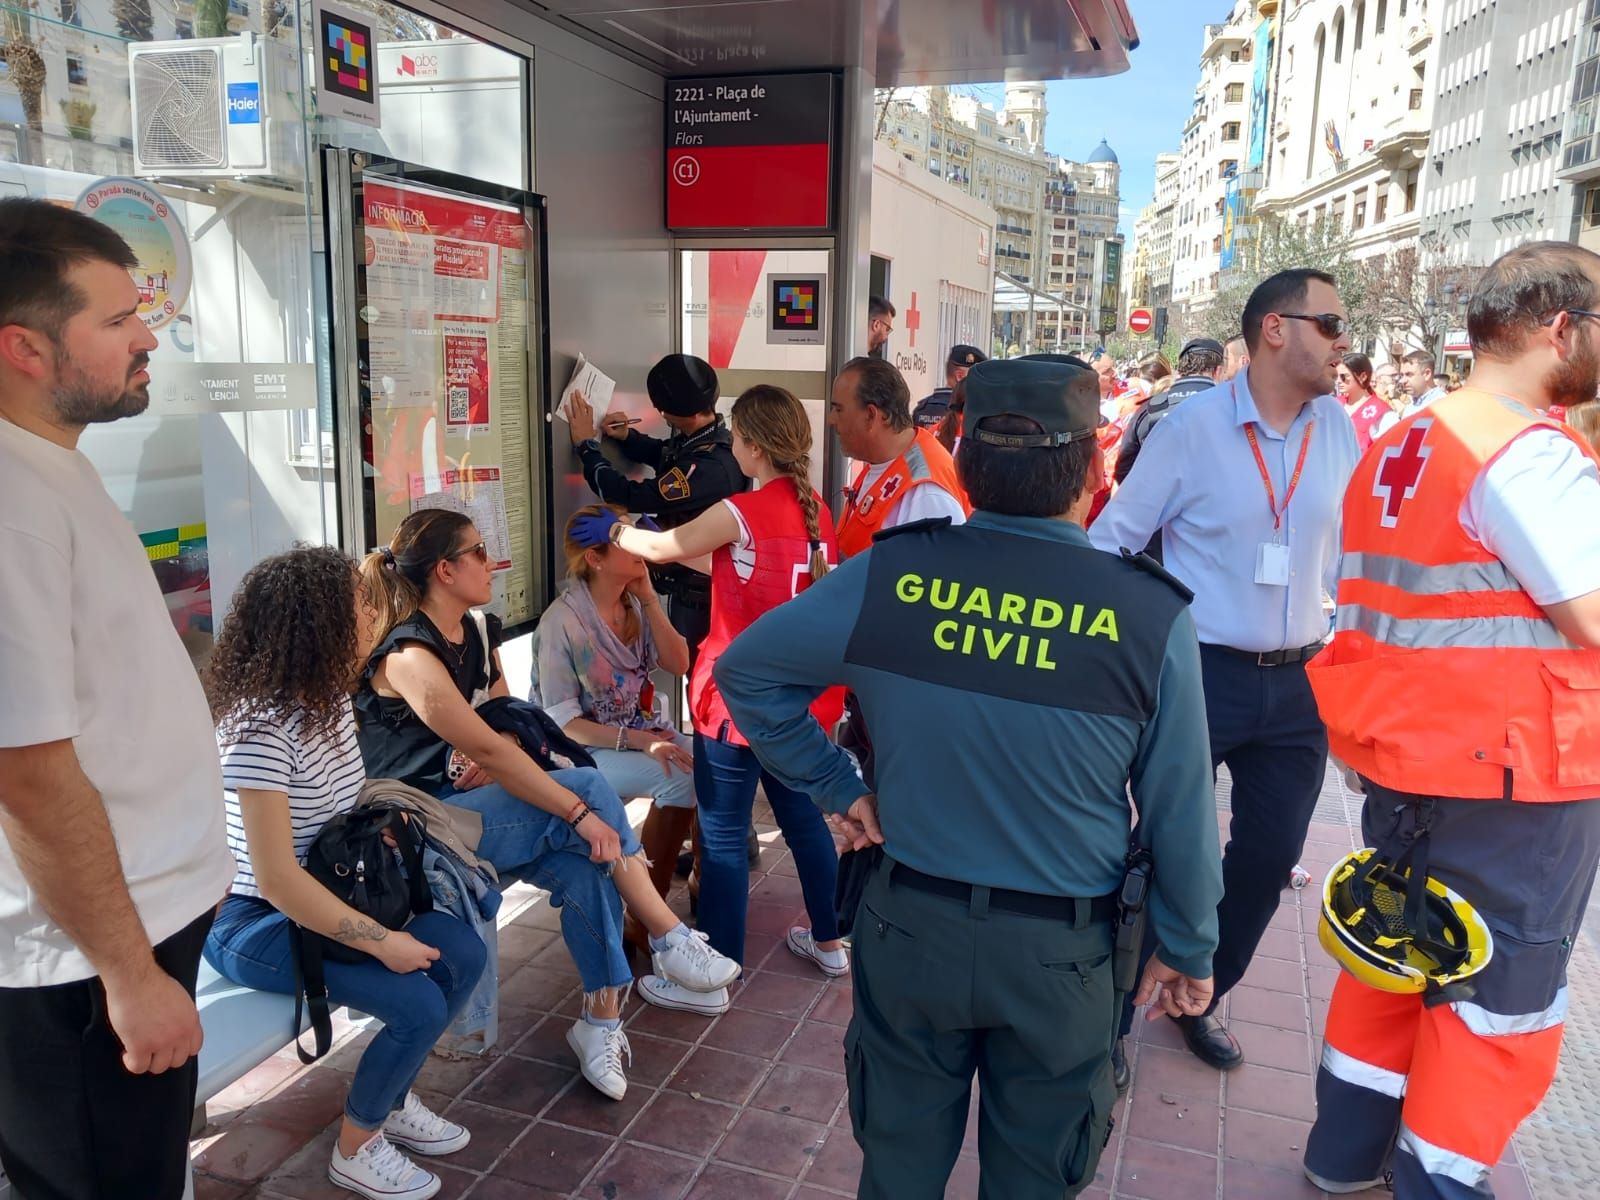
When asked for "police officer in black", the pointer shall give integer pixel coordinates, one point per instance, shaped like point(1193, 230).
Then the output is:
point(933, 408)
point(694, 469)
point(1056, 677)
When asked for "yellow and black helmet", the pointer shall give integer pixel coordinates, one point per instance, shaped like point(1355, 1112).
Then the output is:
point(1365, 928)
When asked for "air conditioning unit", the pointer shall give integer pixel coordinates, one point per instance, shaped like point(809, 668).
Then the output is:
point(212, 107)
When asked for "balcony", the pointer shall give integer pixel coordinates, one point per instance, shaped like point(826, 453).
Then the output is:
point(1418, 37)
point(1221, 39)
point(1401, 149)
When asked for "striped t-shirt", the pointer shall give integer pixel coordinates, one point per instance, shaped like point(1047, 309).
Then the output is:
point(321, 776)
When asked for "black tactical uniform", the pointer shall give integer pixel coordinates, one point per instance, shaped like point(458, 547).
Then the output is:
point(932, 409)
point(692, 472)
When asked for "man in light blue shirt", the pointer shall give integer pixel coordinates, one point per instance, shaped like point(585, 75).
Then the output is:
point(1419, 376)
point(1244, 483)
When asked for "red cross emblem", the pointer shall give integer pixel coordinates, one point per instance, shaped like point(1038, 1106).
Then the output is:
point(889, 488)
point(1400, 471)
point(913, 320)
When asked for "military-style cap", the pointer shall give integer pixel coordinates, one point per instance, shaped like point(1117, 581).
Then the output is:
point(965, 356)
point(1059, 391)
point(1203, 343)
point(682, 385)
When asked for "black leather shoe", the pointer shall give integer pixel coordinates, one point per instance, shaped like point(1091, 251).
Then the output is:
point(1120, 1074)
point(1211, 1042)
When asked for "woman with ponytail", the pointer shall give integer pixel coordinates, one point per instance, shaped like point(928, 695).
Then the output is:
point(760, 548)
point(566, 830)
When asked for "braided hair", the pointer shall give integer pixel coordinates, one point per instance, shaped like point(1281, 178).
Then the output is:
point(770, 417)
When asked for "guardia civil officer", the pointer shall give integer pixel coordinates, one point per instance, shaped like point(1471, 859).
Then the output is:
point(1055, 674)
point(694, 469)
point(932, 409)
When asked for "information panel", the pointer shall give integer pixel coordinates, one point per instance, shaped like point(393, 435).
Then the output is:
point(749, 152)
point(442, 285)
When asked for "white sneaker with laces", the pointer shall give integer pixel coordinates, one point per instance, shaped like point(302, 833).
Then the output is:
point(600, 1053)
point(663, 993)
point(378, 1171)
point(691, 962)
point(832, 963)
point(417, 1127)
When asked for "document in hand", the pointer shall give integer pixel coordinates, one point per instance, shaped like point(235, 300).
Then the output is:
point(596, 386)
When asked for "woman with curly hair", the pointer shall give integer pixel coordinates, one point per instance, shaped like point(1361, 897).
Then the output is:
point(760, 548)
point(566, 830)
point(598, 643)
point(279, 683)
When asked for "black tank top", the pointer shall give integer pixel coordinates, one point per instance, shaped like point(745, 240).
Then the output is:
point(395, 743)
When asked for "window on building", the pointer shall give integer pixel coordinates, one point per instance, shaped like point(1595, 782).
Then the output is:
point(1416, 99)
point(1234, 93)
point(1380, 20)
point(1216, 244)
point(1230, 131)
point(1320, 214)
point(1591, 208)
point(1359, 17)
point(1380, 210)
point(1338, 36)
point(1358, 215)
point(1411, 192)
point(70, 14)
point(77, 74)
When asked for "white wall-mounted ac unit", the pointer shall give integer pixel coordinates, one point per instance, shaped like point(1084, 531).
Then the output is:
point(216, 107)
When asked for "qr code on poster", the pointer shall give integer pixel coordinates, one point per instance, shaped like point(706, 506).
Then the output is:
point(460, 406)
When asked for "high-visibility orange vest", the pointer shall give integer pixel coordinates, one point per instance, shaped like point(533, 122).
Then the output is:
point(1444, 678)
point(925, 461)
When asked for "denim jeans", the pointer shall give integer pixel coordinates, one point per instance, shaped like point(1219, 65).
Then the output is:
point(523, 840)
point(634, 773)
point(725, 778)
point(250, 945)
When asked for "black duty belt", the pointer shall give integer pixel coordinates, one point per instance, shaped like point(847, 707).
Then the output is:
point(1270, 658)
point(1075, 911)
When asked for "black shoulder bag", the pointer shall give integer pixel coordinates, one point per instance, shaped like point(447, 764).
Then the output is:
point(350, 858)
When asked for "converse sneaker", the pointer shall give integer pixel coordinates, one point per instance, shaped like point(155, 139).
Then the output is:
point(663, 993)
point(600, 1053)
point(690, 961)
point(832, 963)
point(417, 1127)
point(380, 1172)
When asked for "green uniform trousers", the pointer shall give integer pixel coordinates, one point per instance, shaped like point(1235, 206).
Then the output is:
point(945, 989)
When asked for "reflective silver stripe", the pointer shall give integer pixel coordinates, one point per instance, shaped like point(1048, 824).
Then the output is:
point(1434, 633)
point(1436, 1160)
point(1361, 1074)
point(1421, 579)
point(1492, 1024)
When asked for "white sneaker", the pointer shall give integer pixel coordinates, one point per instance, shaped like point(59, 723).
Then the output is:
point(380, 1172)
point(691, 962)
point(600, 1052)
point(663, 993)
point(417, 1127)
point(832, 963)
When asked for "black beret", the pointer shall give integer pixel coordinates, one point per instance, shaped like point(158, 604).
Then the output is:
point(962, 355)
point(1059, 392)
point(682, 385)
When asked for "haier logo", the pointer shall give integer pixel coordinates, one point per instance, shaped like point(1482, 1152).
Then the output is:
point(244, 104)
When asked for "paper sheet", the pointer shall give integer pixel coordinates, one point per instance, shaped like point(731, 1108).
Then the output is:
point(596, 386)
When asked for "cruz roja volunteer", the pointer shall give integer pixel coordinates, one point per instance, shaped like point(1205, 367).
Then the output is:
point(1056, 675)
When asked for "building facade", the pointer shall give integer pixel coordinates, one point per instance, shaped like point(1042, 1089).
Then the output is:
point(1495, 162)
point(1580, 151)
point(1351, 126)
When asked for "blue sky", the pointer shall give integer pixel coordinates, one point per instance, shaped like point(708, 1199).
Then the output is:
point(1140, 112)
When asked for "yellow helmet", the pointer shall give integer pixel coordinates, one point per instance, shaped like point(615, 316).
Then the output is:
point(1364, 928)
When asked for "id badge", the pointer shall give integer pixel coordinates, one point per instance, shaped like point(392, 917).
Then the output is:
point(1272, 564)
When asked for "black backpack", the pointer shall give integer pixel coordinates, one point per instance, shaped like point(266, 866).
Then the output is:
point(350, 858)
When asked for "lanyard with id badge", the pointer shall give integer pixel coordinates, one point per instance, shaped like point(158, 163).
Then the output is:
point(1272, 558)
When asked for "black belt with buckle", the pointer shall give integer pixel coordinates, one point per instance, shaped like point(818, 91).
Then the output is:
point(1075, 911)
point(1270, 658)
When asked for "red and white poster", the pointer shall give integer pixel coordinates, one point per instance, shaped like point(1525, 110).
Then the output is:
point(466, 376)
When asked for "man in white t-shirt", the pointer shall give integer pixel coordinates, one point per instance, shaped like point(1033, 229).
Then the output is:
point(904, 474)
point(113, 851)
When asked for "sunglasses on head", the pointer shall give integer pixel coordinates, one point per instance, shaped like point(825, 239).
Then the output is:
point(478, 550)
point(1329, 325)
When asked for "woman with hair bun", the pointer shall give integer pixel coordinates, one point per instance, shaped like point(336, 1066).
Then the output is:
point(760, 548)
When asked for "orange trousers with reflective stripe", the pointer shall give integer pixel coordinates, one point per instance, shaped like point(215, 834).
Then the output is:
point(1464, 1093)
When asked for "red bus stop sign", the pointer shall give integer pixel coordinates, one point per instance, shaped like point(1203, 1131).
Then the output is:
point(1140, 320)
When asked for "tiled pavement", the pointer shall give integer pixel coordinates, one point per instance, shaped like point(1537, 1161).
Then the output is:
point(751, 1106)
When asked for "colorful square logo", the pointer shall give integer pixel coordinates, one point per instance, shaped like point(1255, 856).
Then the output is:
point(347, 57)
point(794, 304)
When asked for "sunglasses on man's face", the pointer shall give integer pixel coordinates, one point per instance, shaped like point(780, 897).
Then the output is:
point(1329, 325)
point(478, 550)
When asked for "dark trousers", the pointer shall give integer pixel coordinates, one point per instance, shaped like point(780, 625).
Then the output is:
point(692, 618)
point(1264, 725)
point(947, 991)
point(74, 1123)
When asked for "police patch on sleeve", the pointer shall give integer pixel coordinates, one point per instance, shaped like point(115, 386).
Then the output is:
point(673, 485)
point(1015, 617)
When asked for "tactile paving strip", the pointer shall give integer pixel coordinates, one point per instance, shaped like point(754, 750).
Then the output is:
point(1560, 1143)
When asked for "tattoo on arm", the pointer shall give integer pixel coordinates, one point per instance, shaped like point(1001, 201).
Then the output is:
point(360, 931)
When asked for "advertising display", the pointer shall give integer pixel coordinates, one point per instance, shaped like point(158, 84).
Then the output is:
point(1260, 98)
point(442, 287)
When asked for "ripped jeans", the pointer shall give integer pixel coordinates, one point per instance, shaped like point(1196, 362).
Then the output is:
point(524, 841)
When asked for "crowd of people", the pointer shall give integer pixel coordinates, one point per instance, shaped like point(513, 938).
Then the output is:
point(1097, 589)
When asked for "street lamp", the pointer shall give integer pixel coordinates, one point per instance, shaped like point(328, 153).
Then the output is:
point(1453, 302)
